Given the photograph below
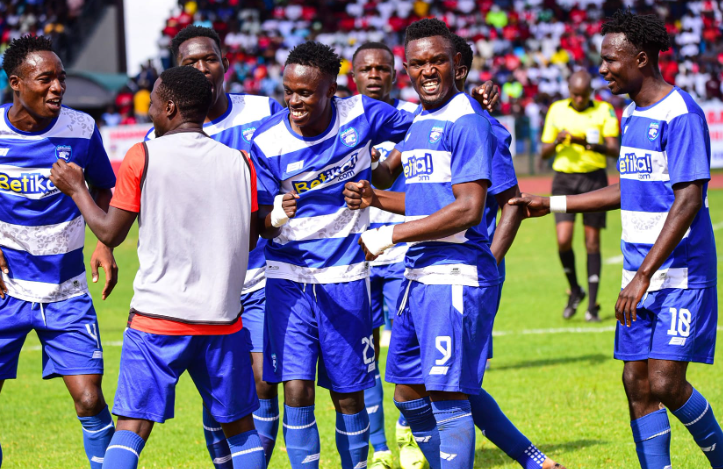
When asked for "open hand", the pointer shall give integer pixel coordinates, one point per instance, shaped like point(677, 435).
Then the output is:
point(67, 177)
point(358, 195)
point(487, 94)
point(535, 206)
point(103, 257)
point(627, 304)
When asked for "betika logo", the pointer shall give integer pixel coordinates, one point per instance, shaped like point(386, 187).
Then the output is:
point(349, 137)
point(631, 163)
point(63, 152)
point(248, 134)
point(342, 172)
point(32, 184)
point(419, 166)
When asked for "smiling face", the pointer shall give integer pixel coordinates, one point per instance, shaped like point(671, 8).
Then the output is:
point(308, 92)
point(431, 65)
point(40, 85)
point(203, 54)
point(621, 64)
point(373, 73)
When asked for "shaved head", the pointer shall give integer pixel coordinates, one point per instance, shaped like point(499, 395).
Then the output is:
point(580, 79)
point(580, 86)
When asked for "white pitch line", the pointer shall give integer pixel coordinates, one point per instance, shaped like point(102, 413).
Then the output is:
point(717, 226)
point(615, 259)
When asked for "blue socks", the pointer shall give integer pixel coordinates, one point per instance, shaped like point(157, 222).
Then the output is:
point(374, 402)
point(420, 418)
point(247, 451)
point(266, 420)
point(456, 433)
point(495, 425)
point(216, 442)
point(697, 416)
point(352, 439)
point(652, 440)
point(97, 433)
point(302, 437)
point(402, 421)
point(124, 450)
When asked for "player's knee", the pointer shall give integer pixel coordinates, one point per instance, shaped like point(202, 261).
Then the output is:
point(564, 244)
point(266, 390)
point(348, 403)
point(89, 402)
point(592, 246)
point(299, 393)
point(667, 389)
point(636, 384)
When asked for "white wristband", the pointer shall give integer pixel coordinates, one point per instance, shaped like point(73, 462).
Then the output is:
point(278, 216)
point(375, 164)
point(558, 204)
point(379, 239)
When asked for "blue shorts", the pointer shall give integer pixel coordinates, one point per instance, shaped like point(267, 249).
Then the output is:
point(254, 304)
point(151, 364)
point(440, 337)
point(326, 323)
point(385, 282)
point(488, 345)
point(68, 332)
point(672, 324)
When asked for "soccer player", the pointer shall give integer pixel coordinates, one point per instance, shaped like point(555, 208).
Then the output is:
point(668, 307)
point(185, 311)
point(445, 315)
point(43, 284)
point(581, 133)
point(232, 120)
point(317, 297)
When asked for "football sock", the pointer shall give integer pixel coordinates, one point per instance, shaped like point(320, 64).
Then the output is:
point(697, 416)
point(568, 266)
point(652, 440)
point(593, 277)
point(247, 451)
point(495, 425)
point(216, 442)
point(302, 437)
point(266, 420)
point(420, 418)
point(124, 450)
point(97, 432)
point(456, 433)
point(402, 421)
point(374, 402)
point(352, 439)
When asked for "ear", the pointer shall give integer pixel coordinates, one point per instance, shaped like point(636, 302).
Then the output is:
point(225, 63)
point(171, 109)
point(643, 59)
point(14, 81)
point(460, 73)
point(394, 74)
point(457, 59)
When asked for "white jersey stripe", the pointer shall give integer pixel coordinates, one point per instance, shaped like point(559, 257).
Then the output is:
point(333, 274)
point(662, 279)
point(46, 292)
point(643, 227)
point(44, 240)
point(340, 224)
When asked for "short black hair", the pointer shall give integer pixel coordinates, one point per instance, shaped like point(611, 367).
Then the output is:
point(189, 90)
point(317, 55)
point(190, 32)
point(427, 27)
point(462, 46)
point(19, 49)
point(372, 46)
point(644, 32)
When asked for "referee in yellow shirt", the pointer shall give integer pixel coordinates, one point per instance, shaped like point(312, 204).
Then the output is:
point(580, 133)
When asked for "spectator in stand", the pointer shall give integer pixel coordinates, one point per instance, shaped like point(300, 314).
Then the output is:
point(111, 117)
point(142, 102)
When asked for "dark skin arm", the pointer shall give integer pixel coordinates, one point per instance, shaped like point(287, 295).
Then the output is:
point(103, 255)
point(510, 220)
point(601, 200)
point(360, 195)
point(265, 228)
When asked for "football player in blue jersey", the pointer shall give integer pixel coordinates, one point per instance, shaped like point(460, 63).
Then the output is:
point(43, 283)
point(232, 120)
point(668, 307)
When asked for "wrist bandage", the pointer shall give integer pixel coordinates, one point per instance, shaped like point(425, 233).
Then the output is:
point(278, 216)
point(379, 239)
point(558, 204)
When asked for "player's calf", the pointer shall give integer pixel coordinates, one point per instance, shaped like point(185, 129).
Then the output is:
point(697, 416)
point(453, 414)
point(94, 416)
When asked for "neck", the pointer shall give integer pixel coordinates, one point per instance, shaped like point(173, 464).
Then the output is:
point(388, 99)
point(218, 108)
point(316, 128)
point(652, 89)
point(21, 119)
point(442, 102)
point(185, 127)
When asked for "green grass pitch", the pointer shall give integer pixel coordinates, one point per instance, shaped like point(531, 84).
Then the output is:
point(555, 379)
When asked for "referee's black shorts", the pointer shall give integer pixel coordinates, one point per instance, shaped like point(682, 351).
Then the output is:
point(579, 183)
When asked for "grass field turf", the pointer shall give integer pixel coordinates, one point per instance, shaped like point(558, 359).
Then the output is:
point(555, 379)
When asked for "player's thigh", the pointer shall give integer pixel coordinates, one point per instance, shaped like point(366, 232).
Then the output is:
point(404, 360)
point(16, 318)
point(634, 343)
point(347, 362)
point(254, 309)
point(393, 286)
point(291, 333)
point(71, 338)
point(223, 375)
point(150, 367)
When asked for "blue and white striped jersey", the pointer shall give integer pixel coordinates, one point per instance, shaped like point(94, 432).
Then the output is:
point(450, 145)
point(235, 129)
point(41, 230)
point(379, 217)
point(320, 245)
point(663, 145)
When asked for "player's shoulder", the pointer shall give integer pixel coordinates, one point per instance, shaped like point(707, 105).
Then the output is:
point(460, 109)
point(354, 106)
point(407, 106)
point(271, 133)
point(676, 104)
point(245, 108)
point(559, 105)
point(74, 123)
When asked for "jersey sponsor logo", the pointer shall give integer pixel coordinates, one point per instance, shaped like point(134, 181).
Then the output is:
point(342, 173)
point(63, 152)
point(349, 137)
point(436, 133)
point(248, 134)
point(653, 130)
point(36, 185)
point(419, 166)
point(632, 163)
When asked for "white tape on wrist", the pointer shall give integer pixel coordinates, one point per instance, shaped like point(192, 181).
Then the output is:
point(278, 216)
point(379, 239)
point(375, 164)
point(558, 204)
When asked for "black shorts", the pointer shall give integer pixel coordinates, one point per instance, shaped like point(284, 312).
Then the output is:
point(579, 183)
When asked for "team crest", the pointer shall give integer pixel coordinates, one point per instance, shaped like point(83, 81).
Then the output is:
point(349, 137)
point(248, 134)
point(63, 152)
point(653, 130)
point(435, 134)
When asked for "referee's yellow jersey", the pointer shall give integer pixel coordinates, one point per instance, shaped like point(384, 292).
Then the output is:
point(596, 122)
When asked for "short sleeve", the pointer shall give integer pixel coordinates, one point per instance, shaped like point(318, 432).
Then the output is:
point(253, 182)
point(688, 149)
point(472, 145)
point(268, 182)
point(98, 170)
point(549, 131)
point(389, 123)
point(274, 106)
point(611, 127)
point(127, 195)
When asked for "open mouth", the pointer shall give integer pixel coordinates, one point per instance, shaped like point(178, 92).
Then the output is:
point(54, 103)
point(297, 114)
point(430, 86)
